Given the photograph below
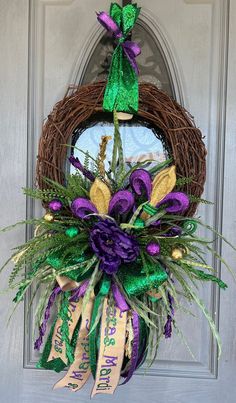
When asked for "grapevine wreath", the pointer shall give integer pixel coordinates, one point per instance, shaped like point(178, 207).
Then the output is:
point(118, 244)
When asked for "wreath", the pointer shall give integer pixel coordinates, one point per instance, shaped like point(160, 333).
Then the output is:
point(117, 246)
point(80, 104)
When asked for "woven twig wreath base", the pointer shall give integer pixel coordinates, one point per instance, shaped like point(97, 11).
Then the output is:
point(155, 106)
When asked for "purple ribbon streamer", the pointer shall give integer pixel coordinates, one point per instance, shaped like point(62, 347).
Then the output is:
point(134, 356)
point(119, 298)
point(168, 325)
point(43, 326)
point(131, 49)
point(79, 292)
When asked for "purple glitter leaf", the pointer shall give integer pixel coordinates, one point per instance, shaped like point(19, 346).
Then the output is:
point(81, 207)
point(121, 203)
point(141, 182)
point(176, 202)
point(77, 164)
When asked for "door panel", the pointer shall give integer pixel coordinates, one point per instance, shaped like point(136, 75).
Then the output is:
point(185, 50)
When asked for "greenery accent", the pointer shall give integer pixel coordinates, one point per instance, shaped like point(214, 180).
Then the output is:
point(61, 247)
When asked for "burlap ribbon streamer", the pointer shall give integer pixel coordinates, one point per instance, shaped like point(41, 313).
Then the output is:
point(66, 283)
point(79, 371)
point(111, 352)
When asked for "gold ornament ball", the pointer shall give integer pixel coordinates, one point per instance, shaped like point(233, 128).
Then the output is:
point(177, 253)
point(49, 217)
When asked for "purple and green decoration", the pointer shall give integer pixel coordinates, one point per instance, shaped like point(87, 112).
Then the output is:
point(115, 254)
point(121, 93)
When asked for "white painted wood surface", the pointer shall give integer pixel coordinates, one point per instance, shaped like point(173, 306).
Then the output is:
point(58, 37)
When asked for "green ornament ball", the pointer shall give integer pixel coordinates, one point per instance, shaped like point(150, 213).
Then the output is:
point(72, 232)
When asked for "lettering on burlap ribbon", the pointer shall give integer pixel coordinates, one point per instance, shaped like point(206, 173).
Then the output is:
point(79, 371)
point(111, 351)
point(58, 347)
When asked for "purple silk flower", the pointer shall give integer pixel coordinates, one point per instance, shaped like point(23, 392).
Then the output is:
point(112, 245)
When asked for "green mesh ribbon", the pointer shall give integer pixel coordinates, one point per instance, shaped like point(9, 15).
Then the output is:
point(121, 93)
point(58, 262)
point(57, 364)
point(136, 282)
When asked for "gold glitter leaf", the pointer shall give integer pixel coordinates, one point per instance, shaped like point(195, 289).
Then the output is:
point(163, 183)
point(100, 196)
point(102, 154)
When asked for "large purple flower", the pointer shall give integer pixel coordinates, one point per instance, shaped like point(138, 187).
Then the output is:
point(112, 245)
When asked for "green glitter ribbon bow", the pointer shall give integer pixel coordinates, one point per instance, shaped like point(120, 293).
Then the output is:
point(137, 281)
point(121, 93)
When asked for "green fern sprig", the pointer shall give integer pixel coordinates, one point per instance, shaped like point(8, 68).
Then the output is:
point(195, 199)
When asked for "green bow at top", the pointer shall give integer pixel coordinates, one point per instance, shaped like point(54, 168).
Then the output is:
point(121, 93)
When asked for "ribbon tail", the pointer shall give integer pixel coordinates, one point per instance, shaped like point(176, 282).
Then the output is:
point(111, 350)
point(57, 364)
point(105, 287)
point(43, 326)
point(121, 93)
point(119, 298)
point(135, 348)
point(69, 315)
point(79, 372)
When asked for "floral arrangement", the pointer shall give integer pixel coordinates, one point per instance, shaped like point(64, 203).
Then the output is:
point(113, 253)
point(115, 250)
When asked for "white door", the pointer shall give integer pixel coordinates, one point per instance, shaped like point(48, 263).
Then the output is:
point(187, 49)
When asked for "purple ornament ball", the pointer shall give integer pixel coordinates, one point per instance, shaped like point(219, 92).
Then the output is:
point(55, 205)
point(153, 248)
